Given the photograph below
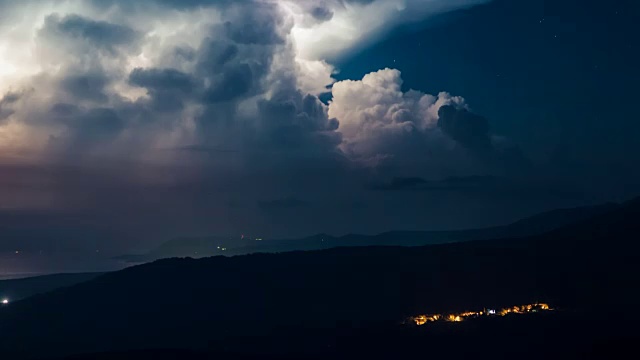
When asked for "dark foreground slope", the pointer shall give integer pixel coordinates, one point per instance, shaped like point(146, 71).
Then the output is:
point(554, 336)
point(232, 303)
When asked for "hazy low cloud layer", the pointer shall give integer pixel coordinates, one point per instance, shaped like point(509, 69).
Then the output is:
point(204, 104)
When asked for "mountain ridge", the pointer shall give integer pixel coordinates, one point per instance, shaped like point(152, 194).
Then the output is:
point(198, 302)
point(218, 245)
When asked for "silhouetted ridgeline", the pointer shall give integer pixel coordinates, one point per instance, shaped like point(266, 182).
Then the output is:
point(219, 245)
point(590, 267)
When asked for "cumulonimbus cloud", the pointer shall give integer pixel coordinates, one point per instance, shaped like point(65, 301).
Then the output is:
point(122, 80)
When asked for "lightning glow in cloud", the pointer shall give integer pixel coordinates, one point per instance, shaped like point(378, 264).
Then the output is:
point(116, 77)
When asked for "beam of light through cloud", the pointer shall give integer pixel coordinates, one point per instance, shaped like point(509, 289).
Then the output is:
point(356, 23)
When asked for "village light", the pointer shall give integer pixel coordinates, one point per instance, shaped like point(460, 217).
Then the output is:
point(5, 301)
point(458, 317)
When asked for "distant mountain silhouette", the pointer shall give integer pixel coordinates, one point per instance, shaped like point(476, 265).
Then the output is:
point(219, 245)
point(194, 247)
point(230, 303)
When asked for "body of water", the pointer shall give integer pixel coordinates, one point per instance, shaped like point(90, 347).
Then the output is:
point(17, 265)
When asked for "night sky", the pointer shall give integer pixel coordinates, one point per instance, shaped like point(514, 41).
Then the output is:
point(124, 124)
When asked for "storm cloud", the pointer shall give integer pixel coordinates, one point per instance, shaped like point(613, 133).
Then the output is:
point(6, 104)
point(220, 98)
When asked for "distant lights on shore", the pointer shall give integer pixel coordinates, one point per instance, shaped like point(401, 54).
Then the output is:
point(5, 301)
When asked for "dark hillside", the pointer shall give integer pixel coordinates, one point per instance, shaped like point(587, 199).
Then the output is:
point(187, 303)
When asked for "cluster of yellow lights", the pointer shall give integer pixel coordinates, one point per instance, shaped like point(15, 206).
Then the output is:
point(523, 309)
